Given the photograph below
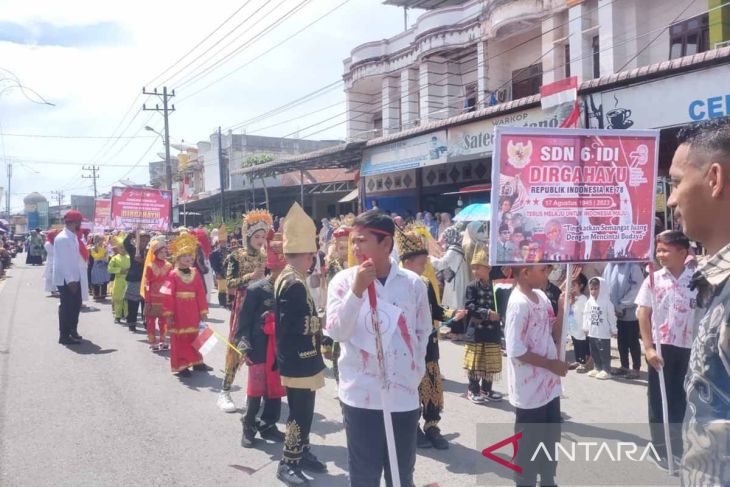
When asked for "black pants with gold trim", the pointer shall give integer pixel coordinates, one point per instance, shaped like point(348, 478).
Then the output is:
point(301, 413)
point(431, 392)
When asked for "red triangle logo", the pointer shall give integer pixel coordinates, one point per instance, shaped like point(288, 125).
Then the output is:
point(488, 452)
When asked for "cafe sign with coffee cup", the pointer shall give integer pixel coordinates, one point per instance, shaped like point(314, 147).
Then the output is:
point(665, 102)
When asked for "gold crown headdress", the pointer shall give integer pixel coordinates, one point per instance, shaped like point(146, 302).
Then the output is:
point(481, 255)
point(256, 220)
point(410, 243)
point(185, 244)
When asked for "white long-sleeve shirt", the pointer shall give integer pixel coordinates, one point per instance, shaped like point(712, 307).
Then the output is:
point(405, 318)
point(67, 261)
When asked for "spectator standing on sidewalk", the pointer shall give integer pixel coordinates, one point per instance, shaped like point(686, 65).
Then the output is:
point(624, 281)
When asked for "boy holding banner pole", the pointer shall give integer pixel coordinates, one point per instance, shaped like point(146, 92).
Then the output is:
point(666, 305)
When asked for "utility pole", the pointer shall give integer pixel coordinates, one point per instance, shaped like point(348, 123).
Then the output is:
point(7, 197)
point(221, 171)
point(94, 175)
point(59, 197)
point(166, 109)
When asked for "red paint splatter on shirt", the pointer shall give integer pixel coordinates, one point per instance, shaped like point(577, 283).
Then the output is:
point(402, 326)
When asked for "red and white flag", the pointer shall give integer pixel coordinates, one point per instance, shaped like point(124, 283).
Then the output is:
point(562, 96)
point(206, 341)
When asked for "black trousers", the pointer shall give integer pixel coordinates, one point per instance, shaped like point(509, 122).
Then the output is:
point(601, 353)
point(299, 423)
point(367, 450)
point(133, 309)
point(68, 311)
point(581, 350)
point(537, 425)
point(223, 300)
point(676, 361)
point(270, 415)
point(628, 341)
point(480, 386)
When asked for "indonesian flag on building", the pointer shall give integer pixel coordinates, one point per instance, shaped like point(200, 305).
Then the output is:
point(562, 96)
point(206, 341)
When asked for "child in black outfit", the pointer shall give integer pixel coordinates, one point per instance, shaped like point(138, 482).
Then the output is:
point(482, 354)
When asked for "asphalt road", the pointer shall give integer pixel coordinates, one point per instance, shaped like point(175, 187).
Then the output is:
point(109, 412)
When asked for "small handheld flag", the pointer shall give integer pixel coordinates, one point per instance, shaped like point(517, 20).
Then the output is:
point(208, 338)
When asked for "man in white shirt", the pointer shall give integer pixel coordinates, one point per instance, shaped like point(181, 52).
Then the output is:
point(68, 266)
point(671, 311)
point(534, 370)
point(405, 321)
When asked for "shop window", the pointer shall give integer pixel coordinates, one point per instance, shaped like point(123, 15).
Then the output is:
point(596, 49)
point(526, 81)
point(566, 60)
point(689, 37)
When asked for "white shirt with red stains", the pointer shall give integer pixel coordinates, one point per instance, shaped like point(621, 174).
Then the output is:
point(405, 353)
point(672, 308)
point(528, 328)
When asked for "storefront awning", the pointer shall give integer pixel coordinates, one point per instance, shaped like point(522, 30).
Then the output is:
point(351, 196)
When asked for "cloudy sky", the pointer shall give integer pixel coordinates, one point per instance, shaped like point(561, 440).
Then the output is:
point(91, 61)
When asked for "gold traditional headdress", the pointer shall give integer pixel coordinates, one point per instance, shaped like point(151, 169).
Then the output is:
point(156, 244)
point(300, 232)
point(256, 220)
point(185, 244)
point(481, 255)
point(410, 243)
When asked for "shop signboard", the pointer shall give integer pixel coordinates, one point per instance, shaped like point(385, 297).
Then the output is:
point(573, 195)
point(140, 209)
point(476, 140)
point(666, 102)
point(420, 151)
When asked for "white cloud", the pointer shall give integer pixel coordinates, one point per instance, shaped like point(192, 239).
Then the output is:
point(93, 86)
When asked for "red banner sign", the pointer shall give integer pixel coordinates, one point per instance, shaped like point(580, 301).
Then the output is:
point(572, 195)
point(102, 215)
point(140, 208)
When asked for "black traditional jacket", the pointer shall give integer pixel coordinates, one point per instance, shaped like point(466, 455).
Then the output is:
point(298, 330)
point(259, 301)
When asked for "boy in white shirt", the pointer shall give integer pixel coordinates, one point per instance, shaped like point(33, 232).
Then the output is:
point(531, 332)
point(599, 322)
point(671, 310)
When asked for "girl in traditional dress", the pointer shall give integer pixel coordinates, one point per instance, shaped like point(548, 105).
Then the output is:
point(245, 265)
point(185, 306)
point(154, 275)
point(119, 266)
point(100, 268)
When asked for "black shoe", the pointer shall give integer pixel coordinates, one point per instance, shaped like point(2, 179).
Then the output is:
point(492, 396)
point(248, 436)
point(68, 341)
point(132, 327)
point(202, 367)
point(311, 463)
point(421, 440)
point(76, 336)
point(434, 436)
point(271, 433)
point(184, 373)
point(291, 475)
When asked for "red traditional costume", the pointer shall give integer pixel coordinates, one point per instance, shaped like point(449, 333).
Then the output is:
point(185, 305)
point(154, 276)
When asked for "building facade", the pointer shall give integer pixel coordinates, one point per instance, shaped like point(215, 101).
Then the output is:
point(427, 100)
